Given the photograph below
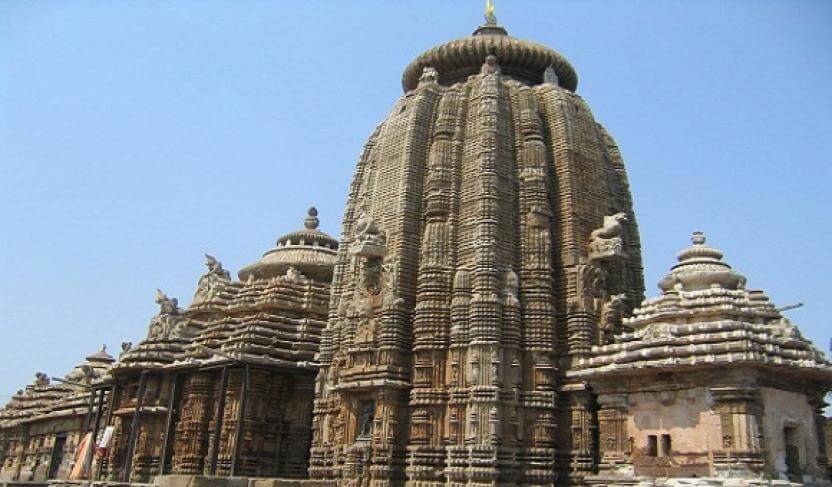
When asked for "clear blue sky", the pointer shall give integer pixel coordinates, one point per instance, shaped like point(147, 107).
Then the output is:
point(135, 136)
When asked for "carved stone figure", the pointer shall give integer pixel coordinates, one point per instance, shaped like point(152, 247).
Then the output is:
point(490, 66)
point(365, 420)
point(369, 239)
point(429, 75)
point(606, 242)
point(41, 379)
point(293, 274)
point(164, 324)
point(550, 76)
point(167, 306)
point(208, 282)
point(613, 314)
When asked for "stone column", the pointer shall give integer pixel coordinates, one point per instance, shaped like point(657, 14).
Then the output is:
point(582, 431)
point(820, 430)
point(191, 438)
point(616, 451)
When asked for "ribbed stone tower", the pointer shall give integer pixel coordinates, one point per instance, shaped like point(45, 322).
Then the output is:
point(488, 243)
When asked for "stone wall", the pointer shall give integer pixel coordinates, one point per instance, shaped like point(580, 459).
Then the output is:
point(790, 409)
point(30, 450)
point(684, 415)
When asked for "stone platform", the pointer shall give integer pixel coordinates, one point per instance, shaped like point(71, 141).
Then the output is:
point(204, 481)
point(616, 481)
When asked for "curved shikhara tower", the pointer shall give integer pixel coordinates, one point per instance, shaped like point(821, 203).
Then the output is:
point(488, 242)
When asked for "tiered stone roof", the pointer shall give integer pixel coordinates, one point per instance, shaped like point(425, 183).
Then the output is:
point(44, 399)
point(267, 317)
point(705, 316)
point(263, 320)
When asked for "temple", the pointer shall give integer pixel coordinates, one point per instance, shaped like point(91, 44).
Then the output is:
point(708, 380)
point(481, 322)
point(42, 428)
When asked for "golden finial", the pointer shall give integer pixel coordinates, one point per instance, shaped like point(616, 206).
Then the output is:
point(490, 18)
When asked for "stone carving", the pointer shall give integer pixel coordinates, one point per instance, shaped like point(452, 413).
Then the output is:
point(365, 420)
point(293, 274)
point(208, 282)
point(429, 76)
point(390, 299)
point(167, 306)
point(612, 316)
point(490, 66)
point(550, 76)
point(369, 239)
point(606, 242)
point(215, 268)
point(83, 374)
point(41, 379)
point(164, 324)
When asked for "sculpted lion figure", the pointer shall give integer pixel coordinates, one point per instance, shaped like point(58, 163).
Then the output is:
point(611, 228)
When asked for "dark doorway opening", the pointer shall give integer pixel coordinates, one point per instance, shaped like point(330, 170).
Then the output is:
point(57, 456)
point(790, 435)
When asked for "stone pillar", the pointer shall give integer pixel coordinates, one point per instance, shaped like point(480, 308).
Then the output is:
point(820, 430)
point(741, 418)
point(827, 441)
point(192, 428)
point(615, 448)
point(297, 436)
point(582, 432)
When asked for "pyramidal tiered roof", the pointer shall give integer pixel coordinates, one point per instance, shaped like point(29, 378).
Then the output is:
point(46, 399)
point(264, 317)
point(706, 316)
point(269, 315)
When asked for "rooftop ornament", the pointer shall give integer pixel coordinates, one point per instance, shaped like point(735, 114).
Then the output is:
point(490, 18)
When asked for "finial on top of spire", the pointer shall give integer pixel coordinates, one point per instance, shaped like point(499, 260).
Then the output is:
point(311, 221)
point(490, 18)
point(698, 238)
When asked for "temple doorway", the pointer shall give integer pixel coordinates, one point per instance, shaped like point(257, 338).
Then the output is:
point(57, 456)
point(791, 440)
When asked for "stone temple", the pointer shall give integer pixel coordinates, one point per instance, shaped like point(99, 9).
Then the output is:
point(481, 322)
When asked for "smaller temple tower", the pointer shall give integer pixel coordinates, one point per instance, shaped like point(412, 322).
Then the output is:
point(708, 380)
point(225, 386)
point(43, 425)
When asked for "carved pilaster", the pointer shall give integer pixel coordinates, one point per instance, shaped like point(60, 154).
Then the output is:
point(536, 433)
point(615, 448)
point(740, 412)
point(582, 432)
point(192, 427)
point(819, 405)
